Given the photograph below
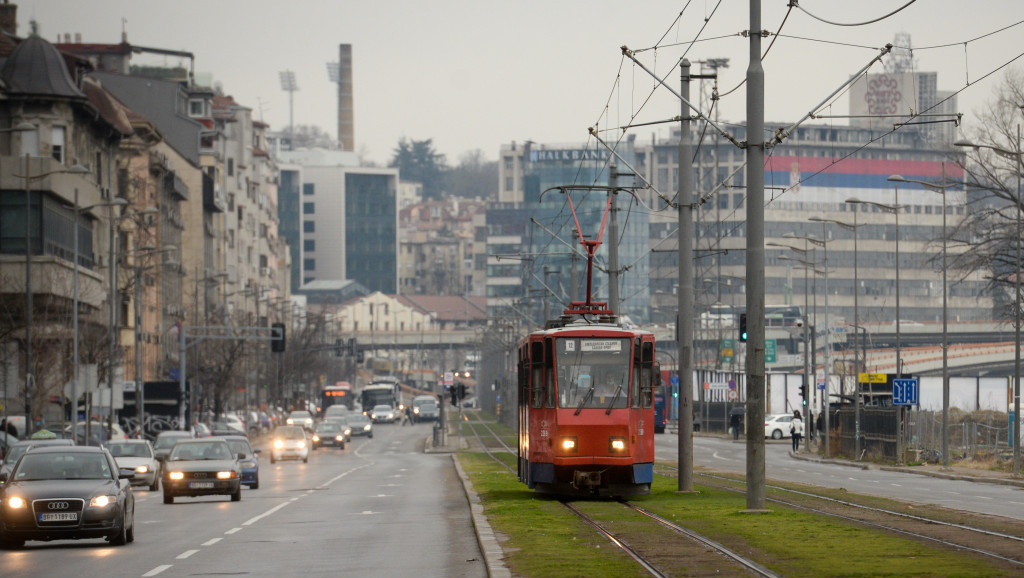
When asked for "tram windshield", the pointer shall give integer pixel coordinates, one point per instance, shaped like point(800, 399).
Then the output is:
point(593, 372)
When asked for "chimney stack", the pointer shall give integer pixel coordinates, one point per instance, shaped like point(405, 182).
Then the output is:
point(346, 106)
point(9, 18)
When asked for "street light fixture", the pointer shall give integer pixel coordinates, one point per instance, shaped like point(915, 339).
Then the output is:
point(77, 169)
point(1017, 304)
point(940, 188)
point(807, 266)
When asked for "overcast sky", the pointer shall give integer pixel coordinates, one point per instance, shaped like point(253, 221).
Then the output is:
point(474, 74)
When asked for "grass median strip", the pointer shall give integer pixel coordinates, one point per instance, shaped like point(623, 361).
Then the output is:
point(543, 539)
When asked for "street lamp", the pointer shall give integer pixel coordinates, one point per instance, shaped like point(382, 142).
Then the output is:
point(1016, 309)
point(195, 313)
point(74, 332)
point(77, 169)
point(940, 188)
point(807, 266)
point(895, 209)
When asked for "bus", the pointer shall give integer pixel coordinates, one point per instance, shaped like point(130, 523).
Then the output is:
point(338, 394)
point(660, 409)
point(381, 391)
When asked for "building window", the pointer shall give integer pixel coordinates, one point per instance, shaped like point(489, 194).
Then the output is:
point(99, 169)
point(508, 183)
point(309, 245)
point(231, 167)
point(196, 107)
point(308, 189)
point(57, 146)
point(308, 208)
point(30, 143)
point(309, 226)
point(309, 264)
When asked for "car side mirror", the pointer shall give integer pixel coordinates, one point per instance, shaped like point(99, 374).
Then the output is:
point(3, 478)
point(241, 455)
point(257, 450)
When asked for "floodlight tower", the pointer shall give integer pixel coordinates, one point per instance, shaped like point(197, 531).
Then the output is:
point(340, 73)
point(289, 84)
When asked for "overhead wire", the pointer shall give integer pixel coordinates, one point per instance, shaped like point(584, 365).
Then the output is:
point(879, 19)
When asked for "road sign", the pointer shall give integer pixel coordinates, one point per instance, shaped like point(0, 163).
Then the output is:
point(674, 379)
point(733, 395)
point(769, 351)
point(872, 377)
point(905, 391)
point(719, 385)
point(732, 384)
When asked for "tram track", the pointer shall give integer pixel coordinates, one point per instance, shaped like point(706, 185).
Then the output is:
point(649, 566)
point(997, 545)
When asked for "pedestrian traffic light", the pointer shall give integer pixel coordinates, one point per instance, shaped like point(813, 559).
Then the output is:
point(803, 394)
point(277, 334)
point(743, 327)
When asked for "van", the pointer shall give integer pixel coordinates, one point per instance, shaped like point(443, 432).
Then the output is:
point(424, 408)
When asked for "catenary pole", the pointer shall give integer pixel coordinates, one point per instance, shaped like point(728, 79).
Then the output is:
point(684, 319)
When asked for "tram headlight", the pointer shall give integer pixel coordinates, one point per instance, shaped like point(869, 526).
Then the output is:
point(569, 444)
point(616, 445)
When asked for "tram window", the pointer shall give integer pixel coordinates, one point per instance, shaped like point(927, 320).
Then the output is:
point(549, 388)
point(647, 385)
point(634, 397)
point(537, 387)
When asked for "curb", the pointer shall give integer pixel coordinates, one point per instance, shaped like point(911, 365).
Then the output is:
point(943, 475)
point(489, 546)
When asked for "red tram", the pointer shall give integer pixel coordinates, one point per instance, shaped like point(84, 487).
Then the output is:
point(586, 402)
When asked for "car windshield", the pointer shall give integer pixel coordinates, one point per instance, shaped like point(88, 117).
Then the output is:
point(62, 466)
point(382, 408)
point(129, 450)
point(200, 451)
point(240, 447)
point(358, 420)
point(300, 415)
point(14, 453)
point(290, 433)
point(328, 426)
point(167, 442)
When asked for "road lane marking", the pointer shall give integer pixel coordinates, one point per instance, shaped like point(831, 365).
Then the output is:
point(233, 530)
point(251, 521)
point(983, 497)
point(156, 570)
point(897, 485)
point(212, 542)
point(186, 554)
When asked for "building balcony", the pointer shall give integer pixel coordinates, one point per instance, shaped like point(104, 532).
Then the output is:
point(52, 283)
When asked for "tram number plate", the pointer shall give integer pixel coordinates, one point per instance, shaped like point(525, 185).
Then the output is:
point(60, 517)
point(201, 485)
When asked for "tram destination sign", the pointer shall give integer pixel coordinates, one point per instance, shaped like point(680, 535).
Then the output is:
point(601, 345)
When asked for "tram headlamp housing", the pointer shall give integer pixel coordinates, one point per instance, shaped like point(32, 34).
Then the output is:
point(569, 444)
point(616, 445)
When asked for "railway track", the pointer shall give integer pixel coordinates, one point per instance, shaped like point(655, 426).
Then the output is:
point(649, 566)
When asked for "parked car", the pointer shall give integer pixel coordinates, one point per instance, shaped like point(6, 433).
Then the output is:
point(329, 433)
point(201, 430)
point(165, 440)
point(777, 426)
point(136, 457)
point(202, 467)
point(97, 433)
point(289, 443)
point(66, 492)
point(250, 465)
point(233, 422)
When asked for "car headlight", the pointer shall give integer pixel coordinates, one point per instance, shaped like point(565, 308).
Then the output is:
point(416, 410)
point(302, 445)
point(616, 445)
point(15, 503)
point(339, 438)
point(289, 421)
point(568, 444)
point(367, 427)
point(142, 469)
point(316, 438)
point(373, 416)
point(102, 501)
point(309, 421)
point(226, 475)
point(348, 431)
point(278, 444)
point(176, 476)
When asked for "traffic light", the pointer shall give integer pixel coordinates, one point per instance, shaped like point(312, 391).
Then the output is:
point(462, 391)
point(743, 327)
point(455, 393)
point(277, 332)
point(339, 347)
point(359, 357)
point(803, 394)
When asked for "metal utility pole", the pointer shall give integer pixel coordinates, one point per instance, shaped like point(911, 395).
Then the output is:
point(755, 267)
point(613, 241)
point(289, 85)
point(684, 318)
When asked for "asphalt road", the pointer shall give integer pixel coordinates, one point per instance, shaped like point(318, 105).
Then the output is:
point(380, 507)
point(723, 454)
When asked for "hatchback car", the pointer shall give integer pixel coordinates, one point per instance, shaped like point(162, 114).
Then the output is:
point(360, 425)
point(202, 467)
point(777, 426)
point(383, 414)
point(66, 492)
point(289, 443)
point(300, 418)
point(136, 457)
point(329, 433)
point(250, 465)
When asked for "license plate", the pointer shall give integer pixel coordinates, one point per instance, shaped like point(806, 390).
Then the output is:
point(61, 517)
point(201, 485)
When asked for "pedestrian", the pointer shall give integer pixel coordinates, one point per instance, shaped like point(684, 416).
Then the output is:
point(796, 429)
point(810, 427)
point(734, 425)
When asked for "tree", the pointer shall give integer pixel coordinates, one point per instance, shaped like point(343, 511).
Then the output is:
point(310, 136)
point(985, 240)
point(418, 161)
point(475, 176)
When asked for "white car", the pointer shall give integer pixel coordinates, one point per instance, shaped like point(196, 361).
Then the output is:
point(290, 442)
point(383, 414)
point(777, 426)
point(117, 432)
point(137, 457)
point(234, 422)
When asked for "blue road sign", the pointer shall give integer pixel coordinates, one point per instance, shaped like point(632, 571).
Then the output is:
point(674, 379)
point(905, 391)
point(732, 384)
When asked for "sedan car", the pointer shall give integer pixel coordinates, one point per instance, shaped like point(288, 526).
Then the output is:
point(66, 492)
point(328, 433)
point(383, 414)
point(342, 422)
point(165, 440)
point(201, 467)
point(250, 465)
point(136, 457)
point(19, 448)
point(300, 418)
point(360, 425)
point(777, 426)
point(289, 443)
